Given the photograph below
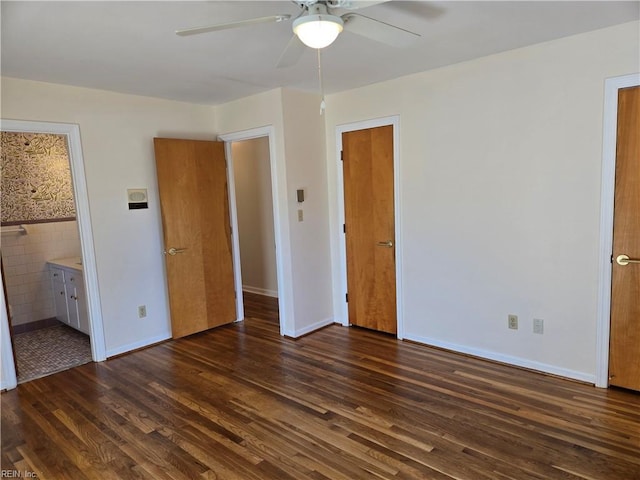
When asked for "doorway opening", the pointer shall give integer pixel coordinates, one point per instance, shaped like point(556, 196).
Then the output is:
point(280, 307)
point(256, 238)
point(51, 304)
point(40, 247)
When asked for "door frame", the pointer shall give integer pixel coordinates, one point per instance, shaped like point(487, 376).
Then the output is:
point(609, 140)
point(83, 216)
point(343, 311)
point(280, 221)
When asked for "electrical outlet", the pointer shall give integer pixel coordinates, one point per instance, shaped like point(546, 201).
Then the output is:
point(513, 322)
point(142, 311)
point(538, 326)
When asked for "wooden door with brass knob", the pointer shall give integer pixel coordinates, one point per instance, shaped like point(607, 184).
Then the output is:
point(192, 183)
point(624, 344)
point(370, 227)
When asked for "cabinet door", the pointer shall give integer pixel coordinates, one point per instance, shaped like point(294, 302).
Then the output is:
point(80, 306)
point(57, 274)
point(73, 308)
point(60, 299)
point(77, 302)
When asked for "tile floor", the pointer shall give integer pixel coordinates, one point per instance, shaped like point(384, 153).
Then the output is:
point(49, 350)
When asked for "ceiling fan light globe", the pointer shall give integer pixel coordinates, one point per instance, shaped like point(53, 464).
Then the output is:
point(318, 31)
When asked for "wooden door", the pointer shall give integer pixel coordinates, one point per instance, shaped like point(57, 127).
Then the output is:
point(192, 181)
point(370, 228)
point(624, 347)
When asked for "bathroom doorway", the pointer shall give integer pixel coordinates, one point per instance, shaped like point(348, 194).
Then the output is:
point(46, 237)
point(39, 235)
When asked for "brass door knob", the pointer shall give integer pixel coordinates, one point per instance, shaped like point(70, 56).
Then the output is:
point(625, 260)
point(174, 251)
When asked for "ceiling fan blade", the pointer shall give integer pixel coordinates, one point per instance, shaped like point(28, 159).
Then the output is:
point(225, 26)
point(292, 53)
point(357, 4)
point(378, 31)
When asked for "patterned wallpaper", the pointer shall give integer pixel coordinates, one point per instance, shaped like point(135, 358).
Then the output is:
point(36, 178)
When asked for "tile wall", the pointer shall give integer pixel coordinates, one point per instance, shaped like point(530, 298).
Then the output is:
point(26, 271)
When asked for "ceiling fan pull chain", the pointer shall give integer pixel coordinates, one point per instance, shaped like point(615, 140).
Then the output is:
point(322, 102)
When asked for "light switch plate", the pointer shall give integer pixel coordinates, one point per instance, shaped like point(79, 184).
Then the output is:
point(538, 326)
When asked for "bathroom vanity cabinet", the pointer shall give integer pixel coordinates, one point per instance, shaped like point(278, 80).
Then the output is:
point(68, 293)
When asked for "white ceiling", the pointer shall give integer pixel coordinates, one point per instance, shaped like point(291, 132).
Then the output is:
point(131, 47)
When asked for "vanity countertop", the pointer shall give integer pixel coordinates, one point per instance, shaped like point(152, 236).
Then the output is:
point(71, 262)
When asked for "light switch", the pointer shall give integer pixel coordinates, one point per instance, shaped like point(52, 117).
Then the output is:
point(300, 215)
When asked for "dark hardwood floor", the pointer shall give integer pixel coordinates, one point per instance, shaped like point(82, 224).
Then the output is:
point(260, 306)
point(241, 402)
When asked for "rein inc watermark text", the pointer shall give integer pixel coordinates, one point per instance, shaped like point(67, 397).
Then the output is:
point(17, 474)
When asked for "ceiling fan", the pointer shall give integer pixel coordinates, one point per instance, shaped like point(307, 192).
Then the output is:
point(319, 24)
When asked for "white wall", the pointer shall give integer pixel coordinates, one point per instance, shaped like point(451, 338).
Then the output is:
point(256, 112)
point(117, 141)
point(254, 203)
point(306, 169)
point(500, 183)
point(26, 270)
point(299, 156)
point(500, 161)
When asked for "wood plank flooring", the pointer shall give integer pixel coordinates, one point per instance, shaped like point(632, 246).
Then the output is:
point(242, 403)
point(260, 306)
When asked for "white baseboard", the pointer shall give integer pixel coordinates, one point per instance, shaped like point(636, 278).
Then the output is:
point(7, 385)
point(508, 359)
point(136, 345)
point(260, 291)
point(311, 328)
